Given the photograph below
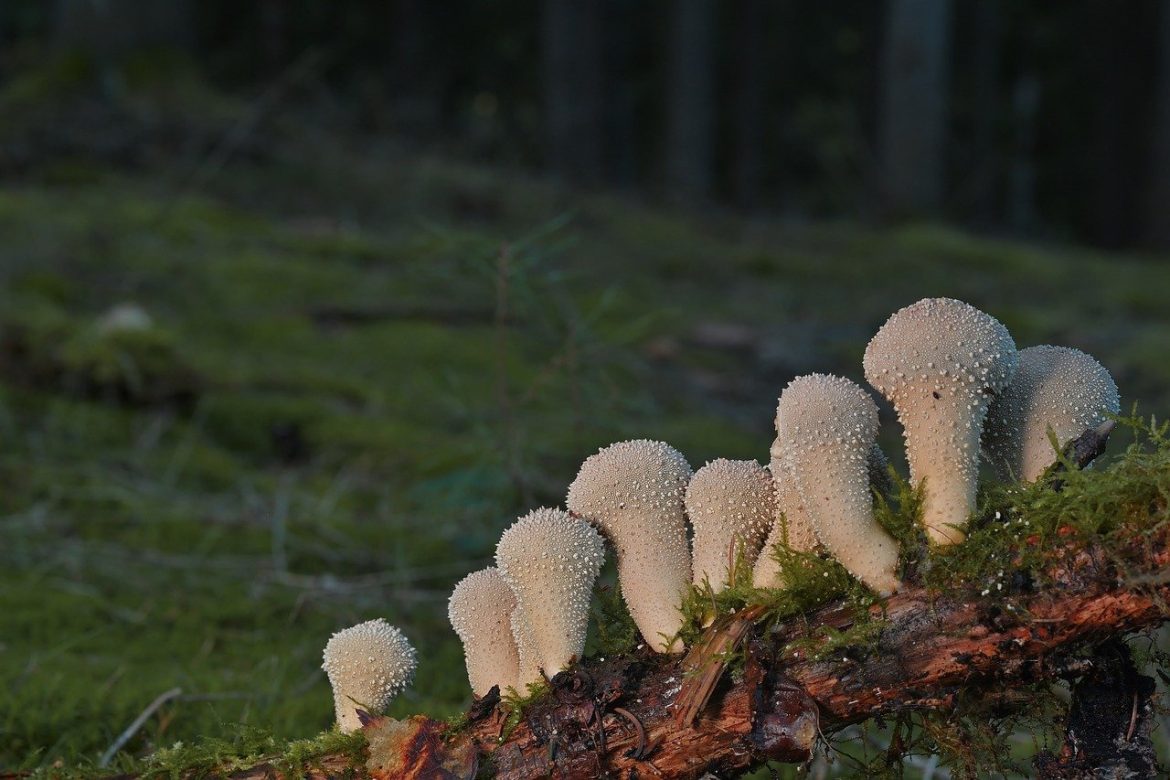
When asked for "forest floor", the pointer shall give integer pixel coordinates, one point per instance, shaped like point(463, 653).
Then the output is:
point(252, 393)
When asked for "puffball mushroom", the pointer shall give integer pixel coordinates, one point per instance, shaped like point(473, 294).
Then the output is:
point(551, 559)
point(731, 505)
point(367, 665)
point(790, 524)
point(941, 362)
point(1054, 387)
point(480, 610)
point(830, 424)
point(633, 491)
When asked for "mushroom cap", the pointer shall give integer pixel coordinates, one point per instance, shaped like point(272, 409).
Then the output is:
point(790, 523)
point(940, 362)
point(731, 505)
point(831, 424)
point(480, 610)
point(1058, 387)
point(367, 665)
point(551, 559)
point(633, 491)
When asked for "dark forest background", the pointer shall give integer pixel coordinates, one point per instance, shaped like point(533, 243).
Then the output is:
point(1027, 117)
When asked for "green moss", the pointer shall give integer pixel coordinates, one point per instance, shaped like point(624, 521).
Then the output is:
point(1019, 527)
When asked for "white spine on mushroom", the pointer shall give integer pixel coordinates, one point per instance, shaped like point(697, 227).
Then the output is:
point(633, 491)
point(790, 524)
point(941, 362)
point(831, 424)
point(731, 504)
point(480, 610)
point(1054, 387)
point(367, 665)
point(551, 560)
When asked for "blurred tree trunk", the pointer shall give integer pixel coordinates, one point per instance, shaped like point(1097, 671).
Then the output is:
point(573, 99)
point(912, 130)
point(985, 67)
point(274, 34)
point(749, 96)
point(1158, 206)
point(622, 45)
point(108, 28)
point(1122, 66)
point(690, 109)
point(1022, 175)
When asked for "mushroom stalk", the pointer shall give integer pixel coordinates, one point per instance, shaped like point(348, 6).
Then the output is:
point(551, 560)
point(791, 525)
point(1057, 388)
point(633, 491)
point(832, 424)
point(480, 610)
point(941, 362)
point(730, 504)
point(367, 665)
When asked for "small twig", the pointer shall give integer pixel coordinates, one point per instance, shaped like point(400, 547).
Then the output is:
point(133, 728)
point(637, 724)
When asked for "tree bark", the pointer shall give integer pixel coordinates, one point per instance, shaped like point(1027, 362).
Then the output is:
point(915, 88)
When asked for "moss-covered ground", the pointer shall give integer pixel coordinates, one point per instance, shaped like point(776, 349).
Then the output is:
point(358, 363)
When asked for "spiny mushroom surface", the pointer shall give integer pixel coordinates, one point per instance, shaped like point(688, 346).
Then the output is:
point(940, 362)
point(480, 610)
point(1054, 387)
point(633, 491)
point(731, 505)
point(551, 559)
point(831, 424)
point(790, 522)
point(367, 665)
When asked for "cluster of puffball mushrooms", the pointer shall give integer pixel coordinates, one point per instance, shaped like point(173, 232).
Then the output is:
point(959, 387)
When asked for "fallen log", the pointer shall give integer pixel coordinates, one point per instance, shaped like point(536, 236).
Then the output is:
point(752, 689)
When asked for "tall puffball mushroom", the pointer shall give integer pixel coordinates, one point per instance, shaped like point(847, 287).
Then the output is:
point(551, 559)
point(831, 424)
point(480, 610)
point(731, 505)
point(633, 491)
point(1054, 387)
point(367, 665)
point(941, 362)
point(791, 525)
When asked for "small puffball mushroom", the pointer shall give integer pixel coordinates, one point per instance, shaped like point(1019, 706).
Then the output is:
point(790, 523)
point(551, 559)
point(1054, 387)
point(367, 665)
point(633, 491)
point(941, 362)
point(831, 424)
point(480, 610)
point(731, 505)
